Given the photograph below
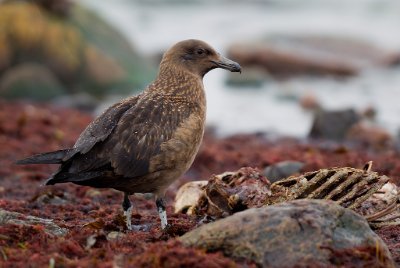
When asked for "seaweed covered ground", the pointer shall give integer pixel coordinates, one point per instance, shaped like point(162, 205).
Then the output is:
point(93, 217)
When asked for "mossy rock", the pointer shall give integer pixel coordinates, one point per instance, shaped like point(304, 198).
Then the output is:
point(82, 51)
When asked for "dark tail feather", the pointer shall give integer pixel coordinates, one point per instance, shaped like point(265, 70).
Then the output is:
point(55, 157)
point(78, 178)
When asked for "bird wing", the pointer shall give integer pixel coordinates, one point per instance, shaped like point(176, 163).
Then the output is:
point(141, 132)
point(136, 137)
point(99, 129)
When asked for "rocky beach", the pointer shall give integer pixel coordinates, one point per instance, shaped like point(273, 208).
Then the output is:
point(299, 164)
point(88, 223)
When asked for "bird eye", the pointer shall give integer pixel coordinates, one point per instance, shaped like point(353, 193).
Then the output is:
point(200, 51)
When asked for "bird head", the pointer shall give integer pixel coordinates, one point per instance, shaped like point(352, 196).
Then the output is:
point(197, 57)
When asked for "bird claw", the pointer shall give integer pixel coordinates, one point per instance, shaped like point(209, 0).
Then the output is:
point(167, 228)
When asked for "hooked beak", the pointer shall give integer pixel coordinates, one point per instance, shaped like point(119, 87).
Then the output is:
point(227, 64)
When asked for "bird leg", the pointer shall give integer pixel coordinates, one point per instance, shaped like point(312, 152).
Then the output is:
point(160, 202)
point(127, 207)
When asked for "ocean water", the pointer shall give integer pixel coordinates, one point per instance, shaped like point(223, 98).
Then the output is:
point(153, 26)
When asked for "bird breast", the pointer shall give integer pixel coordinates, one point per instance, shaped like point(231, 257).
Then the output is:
point(179, 152)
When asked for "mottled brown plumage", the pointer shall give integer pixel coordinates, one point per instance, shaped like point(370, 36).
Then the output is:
point(143, 143)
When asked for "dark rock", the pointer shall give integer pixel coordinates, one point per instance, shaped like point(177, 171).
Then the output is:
point(282, 170)
point(285, 56)
point(302, 233)
point(333, 125)
point(8, 217)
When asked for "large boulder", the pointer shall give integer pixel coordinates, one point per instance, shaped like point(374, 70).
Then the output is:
point(301, 233)
point(81, 51)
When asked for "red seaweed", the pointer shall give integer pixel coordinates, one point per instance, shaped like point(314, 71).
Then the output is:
point(96, 236)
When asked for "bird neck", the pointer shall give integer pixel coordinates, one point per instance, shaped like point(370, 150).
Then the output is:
point(180, 84)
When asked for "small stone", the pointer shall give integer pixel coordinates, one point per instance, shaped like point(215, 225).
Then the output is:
point(92, 193)
point(333, 125)
point(9, 217)
point(114, 235)
point(282, 170)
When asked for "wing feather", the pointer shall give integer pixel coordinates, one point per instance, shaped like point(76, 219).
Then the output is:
point(99, 129)
point(139, 141)
point(132, 140)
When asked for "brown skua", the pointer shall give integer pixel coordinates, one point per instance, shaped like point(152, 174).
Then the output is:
point(145, 142)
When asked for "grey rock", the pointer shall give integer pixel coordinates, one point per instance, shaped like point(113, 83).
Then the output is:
point(9, 217)
point(282, 170)
point(333, 125)
point(301, 233)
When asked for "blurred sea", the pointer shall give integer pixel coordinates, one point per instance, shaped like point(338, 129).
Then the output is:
point(153, 26)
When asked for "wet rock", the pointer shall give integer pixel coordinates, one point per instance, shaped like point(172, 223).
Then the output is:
point(333, 125)
point(285, 56)
point(76, 52)
point(282, 170)
point(8, 217)
point(308, 232)
point(224, 194)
